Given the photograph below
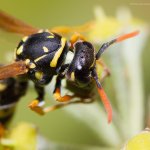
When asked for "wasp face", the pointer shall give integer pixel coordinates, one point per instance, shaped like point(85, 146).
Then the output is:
point(84, 56)
point(82, 63)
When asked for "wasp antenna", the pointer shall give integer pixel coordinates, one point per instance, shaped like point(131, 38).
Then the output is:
point(127, 36)
point(104, 97)
point(14, 69)
point(119, 39)
point(106, 103)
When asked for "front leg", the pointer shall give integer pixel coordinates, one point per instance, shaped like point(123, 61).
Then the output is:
point(36, 105)
point(57, 92)
point(66, 99)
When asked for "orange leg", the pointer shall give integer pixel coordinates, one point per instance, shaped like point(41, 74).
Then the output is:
point(57, 106)
point(67, 99)
point(60, 98)
point(35, 105)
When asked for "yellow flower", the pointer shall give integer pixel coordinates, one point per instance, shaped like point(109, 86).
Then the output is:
point(104, 27)
point(22, 137)
point(139, 142)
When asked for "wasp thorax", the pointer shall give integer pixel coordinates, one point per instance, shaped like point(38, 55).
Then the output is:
point(43, 53)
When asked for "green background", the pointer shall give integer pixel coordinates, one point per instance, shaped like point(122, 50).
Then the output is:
point(60, 126)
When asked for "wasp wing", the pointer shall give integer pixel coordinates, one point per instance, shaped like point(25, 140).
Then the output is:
point(64, 30)
point(12, 24)
point(14, 69)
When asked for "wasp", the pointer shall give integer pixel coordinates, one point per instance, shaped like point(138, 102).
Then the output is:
point(41, 55)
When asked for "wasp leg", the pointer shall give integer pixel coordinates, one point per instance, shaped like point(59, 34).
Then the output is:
point(68, 29)
point(106, 71)
point(79, 101)
point(65, 99)
point(36, 105)
point(57, 92)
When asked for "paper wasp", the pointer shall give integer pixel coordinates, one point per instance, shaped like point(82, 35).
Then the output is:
point(41, 55)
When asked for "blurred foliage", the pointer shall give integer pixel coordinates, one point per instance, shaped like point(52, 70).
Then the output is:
point(21, 137)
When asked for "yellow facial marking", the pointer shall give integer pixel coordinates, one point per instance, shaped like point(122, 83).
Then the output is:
point(25, 38)
point(72, 76)
point(45, 49)
point(50, 36)
point(19, 50)
point(2, 86)
point(39, 58)
point(32, 66)
point(39, 75)
point(54, 61)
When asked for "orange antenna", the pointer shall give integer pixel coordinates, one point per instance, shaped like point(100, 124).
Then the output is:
point(127, 36)
point(119, 39)
point(106, 103)
point(103, 96)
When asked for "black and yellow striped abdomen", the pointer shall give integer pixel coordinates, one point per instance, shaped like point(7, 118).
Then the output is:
point(11, 90)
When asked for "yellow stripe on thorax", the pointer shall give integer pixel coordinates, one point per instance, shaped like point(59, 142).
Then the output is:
point(20, 50)
point(54, 61)
point(39, 58)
